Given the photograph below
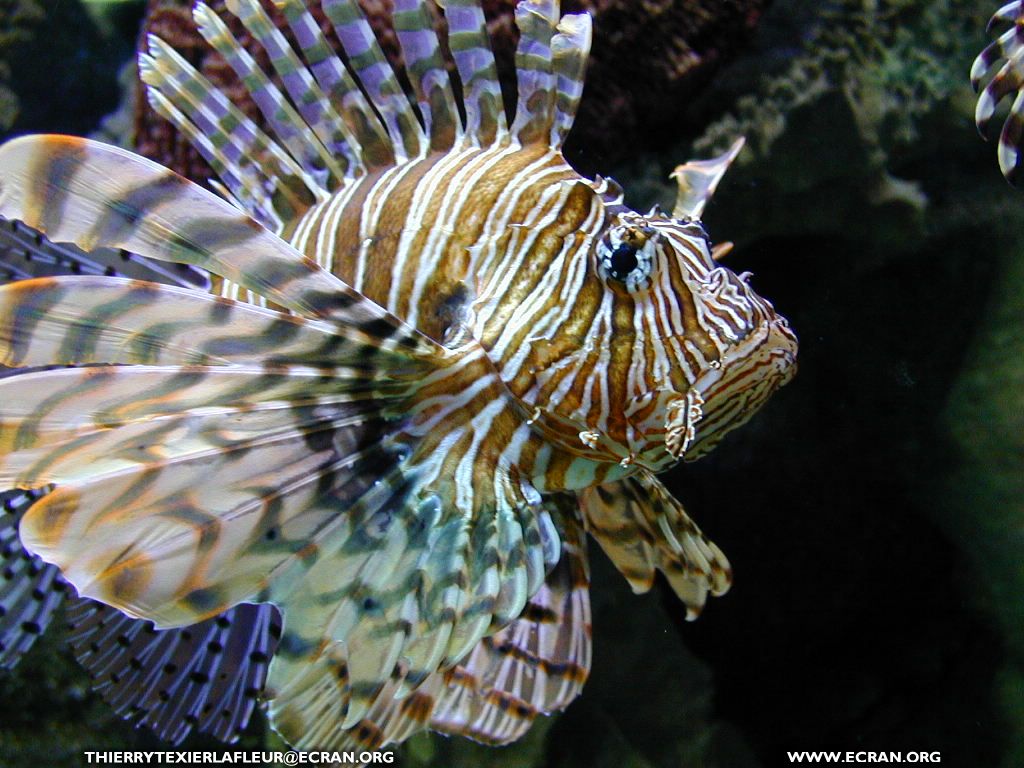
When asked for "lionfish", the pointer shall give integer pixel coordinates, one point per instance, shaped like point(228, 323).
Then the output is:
point(433, 357)
point(1008, 80)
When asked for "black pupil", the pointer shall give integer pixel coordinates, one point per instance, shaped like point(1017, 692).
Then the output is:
point(623, 261)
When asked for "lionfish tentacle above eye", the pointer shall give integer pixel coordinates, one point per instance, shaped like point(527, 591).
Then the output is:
point(698, 180)
point(1008, 80)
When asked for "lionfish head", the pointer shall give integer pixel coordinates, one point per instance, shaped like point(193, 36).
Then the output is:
point(704, 350)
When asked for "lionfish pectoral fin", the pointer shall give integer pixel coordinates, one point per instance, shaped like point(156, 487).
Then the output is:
point(643, 529)
point(98, 196)
point(698, 179)
point(208, 676)
point(369, 640)
point(1009, 79)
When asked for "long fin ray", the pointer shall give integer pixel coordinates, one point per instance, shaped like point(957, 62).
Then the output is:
point(181, 539)
point(339, 653)
point(535, 110)
point(288, 125)
point(48, 408)
point(339, 87)
point(310, 102)
point(260, 173)
point(75, 320)
point(94, 194)
point(570, 48)
point(536, 665)
point(427, 73)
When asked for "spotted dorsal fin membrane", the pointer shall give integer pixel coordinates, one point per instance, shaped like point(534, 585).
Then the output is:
point(207, 677)
point(643, 529)
point(372, 69)
point(31, 590)
point(1008, 80)
point(538, 85)
point(481, 91)
point(570, 49)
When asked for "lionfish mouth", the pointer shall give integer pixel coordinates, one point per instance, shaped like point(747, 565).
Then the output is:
point(731, 394)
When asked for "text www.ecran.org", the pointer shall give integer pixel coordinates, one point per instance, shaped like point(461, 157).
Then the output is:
point(864, 757)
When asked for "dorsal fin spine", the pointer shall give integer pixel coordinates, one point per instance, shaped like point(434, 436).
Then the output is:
point(310, 102)
point(378, 78)
point(481, 92)
point(195, 106)
point(536, 20)
point(427, 74)
point(247, 196)
point(569, 51)
point(289, 127)
point(340, 88)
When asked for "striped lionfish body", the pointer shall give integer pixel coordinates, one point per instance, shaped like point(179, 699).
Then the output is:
point(433, 357)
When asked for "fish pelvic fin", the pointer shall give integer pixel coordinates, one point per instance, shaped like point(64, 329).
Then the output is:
point(644, 529)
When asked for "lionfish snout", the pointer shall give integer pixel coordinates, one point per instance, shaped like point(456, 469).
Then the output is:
point(747, 375)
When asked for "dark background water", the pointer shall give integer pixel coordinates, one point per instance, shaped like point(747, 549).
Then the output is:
point(872, 513)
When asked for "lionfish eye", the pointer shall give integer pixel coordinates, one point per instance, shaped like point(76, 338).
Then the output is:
point(627, 259)
point(623, 261)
